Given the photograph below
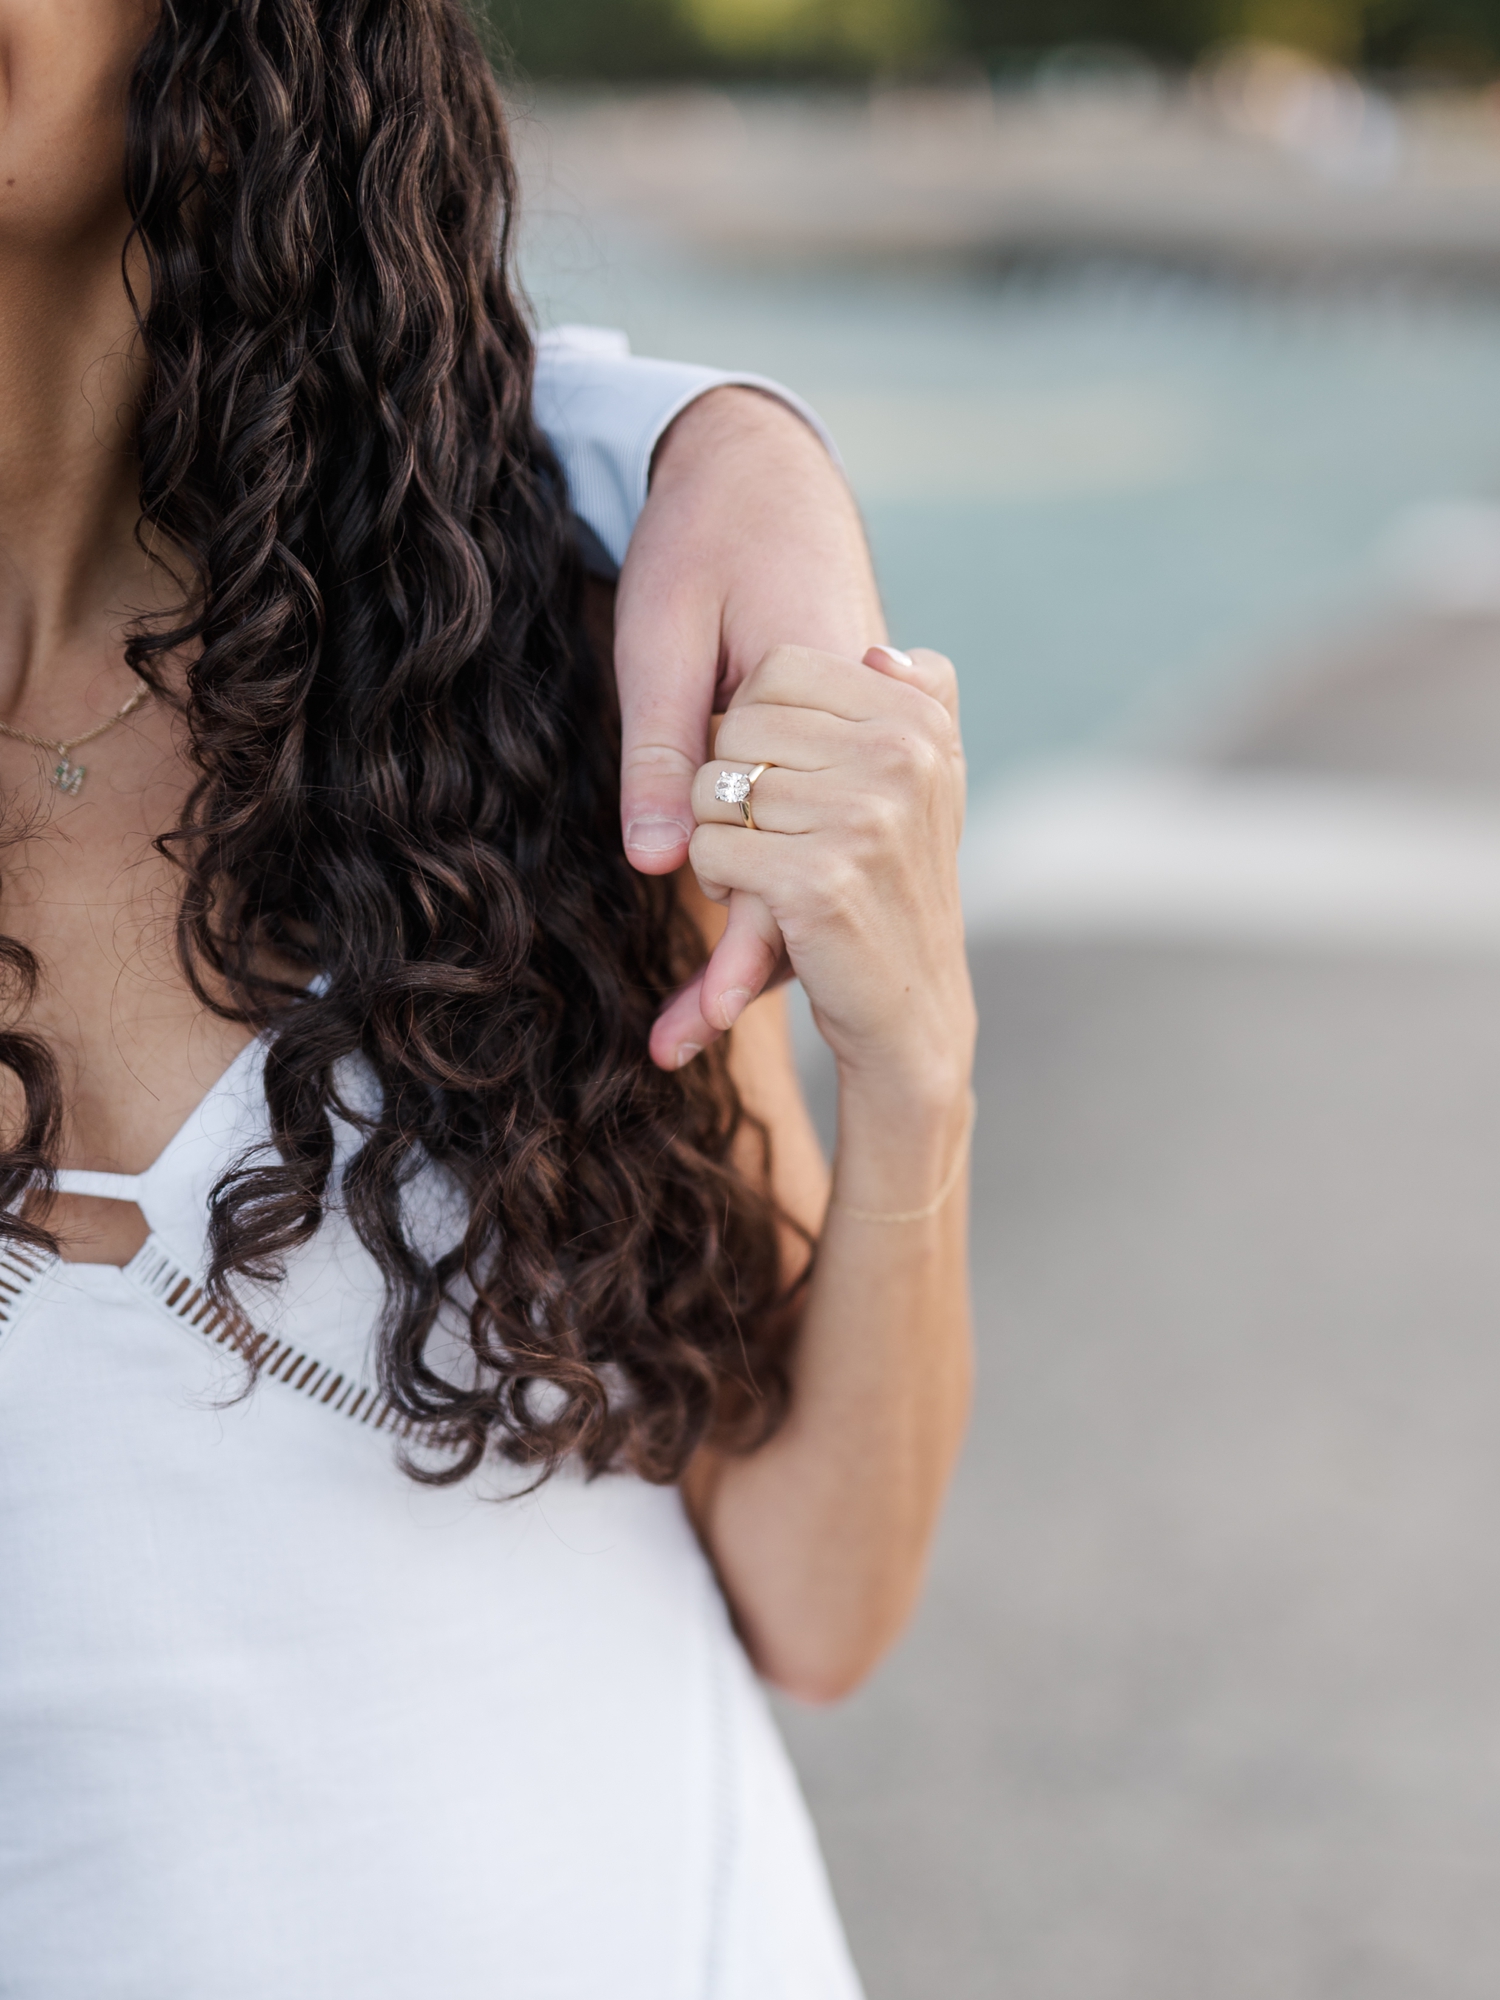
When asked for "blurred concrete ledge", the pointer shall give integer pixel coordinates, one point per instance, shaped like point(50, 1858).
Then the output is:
point(1294, 171)
point(1175, 852)
point(1353, 804)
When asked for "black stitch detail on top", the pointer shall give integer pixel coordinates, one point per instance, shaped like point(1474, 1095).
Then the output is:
point(181, 1295)
point(21, 1264)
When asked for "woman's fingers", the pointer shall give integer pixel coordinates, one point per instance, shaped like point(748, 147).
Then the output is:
point(748, 958)
point(731, 861)
point(679, 1031)
point(745, 960)
point(794, 677)
point(797, 739)
point(922, 668)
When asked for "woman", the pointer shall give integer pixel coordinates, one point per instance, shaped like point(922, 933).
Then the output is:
point(406, 1437)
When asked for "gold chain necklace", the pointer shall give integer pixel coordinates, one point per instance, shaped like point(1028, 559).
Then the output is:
point(67, 776)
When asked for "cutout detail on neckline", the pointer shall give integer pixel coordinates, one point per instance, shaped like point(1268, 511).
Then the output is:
point(98, 1185)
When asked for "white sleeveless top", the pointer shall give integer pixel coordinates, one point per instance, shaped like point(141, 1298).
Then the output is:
point(276, 1721)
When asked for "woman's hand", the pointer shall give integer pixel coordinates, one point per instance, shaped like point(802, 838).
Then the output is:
point(820, 1536)
point(849, 878)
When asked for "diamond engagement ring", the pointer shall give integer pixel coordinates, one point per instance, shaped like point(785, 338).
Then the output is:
point(732, 788)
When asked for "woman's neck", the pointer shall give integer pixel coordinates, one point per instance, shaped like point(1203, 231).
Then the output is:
point(71, 572)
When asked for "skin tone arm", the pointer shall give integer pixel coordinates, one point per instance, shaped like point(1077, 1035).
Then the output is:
point(821, 1536)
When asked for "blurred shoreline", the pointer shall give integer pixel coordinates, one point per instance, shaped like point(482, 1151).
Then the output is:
point(1268, 164)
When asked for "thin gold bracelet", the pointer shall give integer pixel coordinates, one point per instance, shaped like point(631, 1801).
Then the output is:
point(938, 1200)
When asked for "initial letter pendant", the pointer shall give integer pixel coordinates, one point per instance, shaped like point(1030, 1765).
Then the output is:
point(69, 778)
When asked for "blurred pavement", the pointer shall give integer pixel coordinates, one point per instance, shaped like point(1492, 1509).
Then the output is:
point(1204, 1700)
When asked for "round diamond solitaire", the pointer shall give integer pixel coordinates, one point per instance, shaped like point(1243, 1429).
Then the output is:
point(732, 788)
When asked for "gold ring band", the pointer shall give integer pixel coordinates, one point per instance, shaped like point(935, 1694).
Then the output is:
point(733, 788)
point(745, 814)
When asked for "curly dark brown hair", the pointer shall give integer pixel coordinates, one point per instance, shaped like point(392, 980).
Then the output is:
point(406, 783)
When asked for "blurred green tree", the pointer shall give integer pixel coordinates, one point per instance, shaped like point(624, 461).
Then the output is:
point(879, 33)
point(1442, 37)
point(593, 38)
point(786, 38)
point(621, 38)
point(1000, 30)
point(1332, 28)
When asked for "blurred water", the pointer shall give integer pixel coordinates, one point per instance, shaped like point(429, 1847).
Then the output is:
point(1112, 495)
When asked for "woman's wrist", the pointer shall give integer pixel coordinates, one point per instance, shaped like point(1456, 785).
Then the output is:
point(914, 1079)
point(898, 1145)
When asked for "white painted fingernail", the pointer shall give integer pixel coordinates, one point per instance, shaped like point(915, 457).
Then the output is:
point(686, 1051)
point(895, 653)
point(655, 834)
point(733, 1003)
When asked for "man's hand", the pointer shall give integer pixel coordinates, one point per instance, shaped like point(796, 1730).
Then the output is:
point(749, 539)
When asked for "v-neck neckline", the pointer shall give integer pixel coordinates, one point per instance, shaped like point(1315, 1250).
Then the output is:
point(184, 1130)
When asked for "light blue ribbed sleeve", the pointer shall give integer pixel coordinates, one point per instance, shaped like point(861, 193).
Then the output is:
point(605, 409)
